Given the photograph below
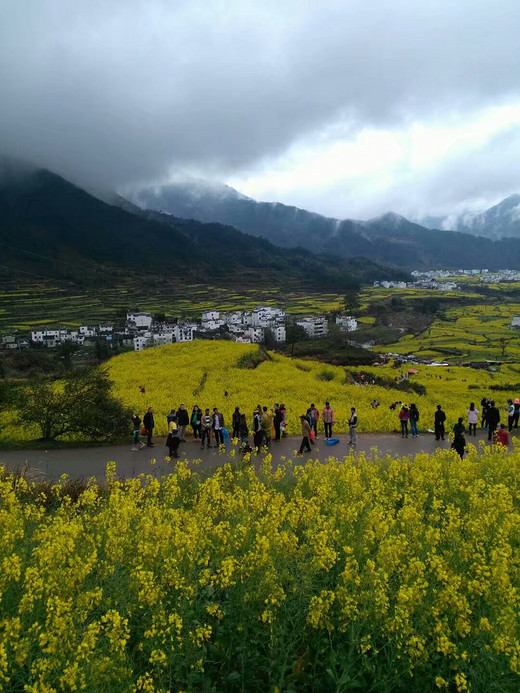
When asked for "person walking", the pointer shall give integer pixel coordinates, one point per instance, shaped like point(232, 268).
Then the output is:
point(217, 424)
point(196, 416)
point(149, 424)
point(277, 421)
point(205, 428)
point(459, 442)
point(404, 417)
point(472, 419)
point(510, 409)
point(313, 416)
point(265, 424)
point(328, 417)
point(493, 419)
point(414, 420)
point(183, 420)
point(306, 431)
point(137, 442)
point(439, 419)
point(235, 421)
point(352, 426)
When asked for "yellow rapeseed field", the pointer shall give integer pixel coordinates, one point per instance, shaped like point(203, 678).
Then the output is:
point(362, 574)
point(201, 372)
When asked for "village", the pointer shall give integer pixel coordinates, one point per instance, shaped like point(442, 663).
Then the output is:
point(141, 331)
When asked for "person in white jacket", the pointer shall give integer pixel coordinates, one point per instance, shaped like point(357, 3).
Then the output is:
point(472, 419)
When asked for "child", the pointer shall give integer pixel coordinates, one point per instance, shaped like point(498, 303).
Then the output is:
point(136, 422)
point(173, 440)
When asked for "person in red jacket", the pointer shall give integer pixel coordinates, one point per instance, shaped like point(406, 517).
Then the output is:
point(404, 417)
point(502, 436)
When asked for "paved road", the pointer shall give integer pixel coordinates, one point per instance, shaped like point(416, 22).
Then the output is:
point(87, 462)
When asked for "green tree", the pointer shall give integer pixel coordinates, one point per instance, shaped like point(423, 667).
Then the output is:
point(294, 333)
point(269, 340)
point(65, 352)
point(80, 403)
point(351, 300)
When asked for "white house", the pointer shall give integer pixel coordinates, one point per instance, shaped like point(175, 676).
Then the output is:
point(279, 332)
point(210, 315)
point(37, 336)
point(255, 334)
point(9, 341)
point(139, 320)
point(50, 338)
point(140, 343)
point(160, 338)
point(314, 326)
point(347, 323)
point(105, 329)
point(262, 316)
point(87, 331)
point(210, 325)
point(243, 339)
point(515, 322)
point(183, 333)
point(233, 319)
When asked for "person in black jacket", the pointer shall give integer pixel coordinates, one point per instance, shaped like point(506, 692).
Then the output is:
point(182, 421)
point(235, 420)
point(149, 424)
point(440, 418)
point(493, 419)
point(277, 421)
point(484, 403)
point(196, 416)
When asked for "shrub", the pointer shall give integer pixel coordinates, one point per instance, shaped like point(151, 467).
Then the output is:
point(325, 376)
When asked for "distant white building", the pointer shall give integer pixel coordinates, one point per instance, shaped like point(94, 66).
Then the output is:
point(50, 338)
point(314, 326)
point(255, 334)
point(347, 323)
point(210, 315)
point(262, 316)
point(183, 333)
point(515, 322)
point(139, 320)
point(87, 331)
point(233, 319)
point(9, 341)
point(140, 342)
point(279, 332)
point(160, 338)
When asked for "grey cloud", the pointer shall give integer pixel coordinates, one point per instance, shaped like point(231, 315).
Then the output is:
point(115, 93)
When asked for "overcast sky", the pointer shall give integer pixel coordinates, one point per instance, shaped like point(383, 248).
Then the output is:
point(348, 108)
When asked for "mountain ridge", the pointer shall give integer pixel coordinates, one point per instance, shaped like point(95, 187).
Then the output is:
point(51, 227)
point(389, 239)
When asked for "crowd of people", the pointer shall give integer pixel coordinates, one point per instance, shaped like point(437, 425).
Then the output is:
point(269, 424)
point(490, 421)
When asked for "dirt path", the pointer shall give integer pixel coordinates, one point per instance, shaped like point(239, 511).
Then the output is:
point(87, 462)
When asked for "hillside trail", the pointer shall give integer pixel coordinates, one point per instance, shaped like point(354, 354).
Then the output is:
point(91, 462)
